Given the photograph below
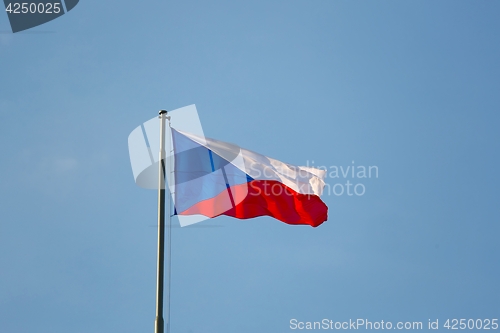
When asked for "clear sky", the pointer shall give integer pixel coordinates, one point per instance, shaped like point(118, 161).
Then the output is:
point(411, 87)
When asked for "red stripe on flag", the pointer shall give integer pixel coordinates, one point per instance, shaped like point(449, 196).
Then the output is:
point(266, 198)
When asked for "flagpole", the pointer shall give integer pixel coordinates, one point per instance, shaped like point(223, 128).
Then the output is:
point(159, 321)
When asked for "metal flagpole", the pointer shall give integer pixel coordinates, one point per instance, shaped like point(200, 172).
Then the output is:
point(162, 172)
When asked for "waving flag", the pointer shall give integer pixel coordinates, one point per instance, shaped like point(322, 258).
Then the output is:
point(215, 178)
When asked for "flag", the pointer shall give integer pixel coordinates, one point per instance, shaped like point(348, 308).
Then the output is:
point(214, 178)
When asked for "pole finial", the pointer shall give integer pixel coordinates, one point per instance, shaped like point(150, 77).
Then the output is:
point(162, 112)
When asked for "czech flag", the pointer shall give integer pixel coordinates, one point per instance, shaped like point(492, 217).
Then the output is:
point(213, 178)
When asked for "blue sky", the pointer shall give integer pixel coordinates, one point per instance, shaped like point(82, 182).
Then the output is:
point(408, 86)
